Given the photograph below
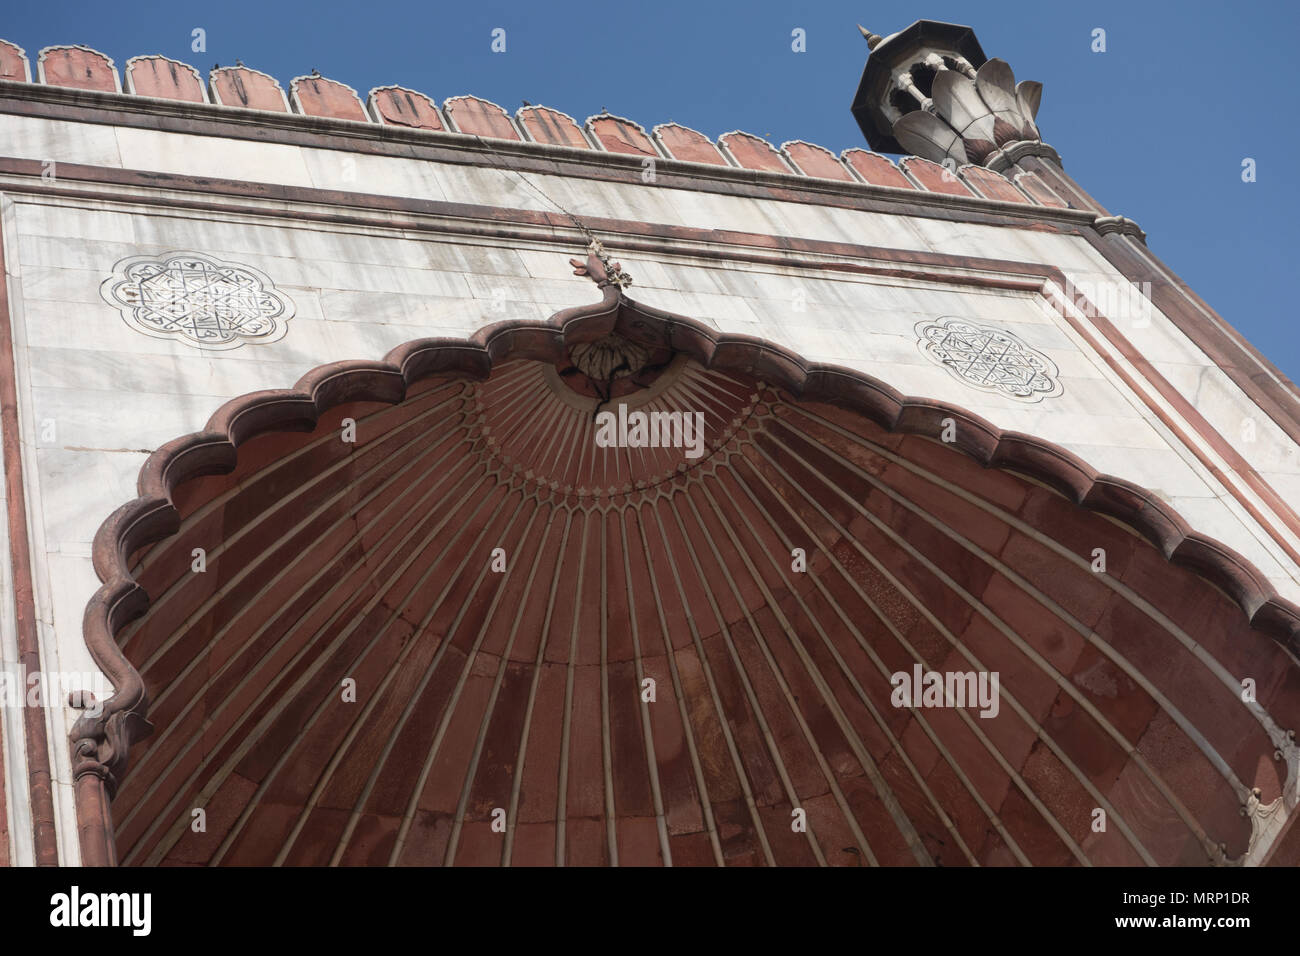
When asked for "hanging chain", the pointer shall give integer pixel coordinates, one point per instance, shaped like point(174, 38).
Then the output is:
point(595, 247)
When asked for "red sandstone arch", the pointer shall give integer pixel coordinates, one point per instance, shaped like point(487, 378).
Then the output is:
point(521, 690)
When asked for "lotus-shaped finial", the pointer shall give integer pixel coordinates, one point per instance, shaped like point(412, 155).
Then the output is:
point(970, 119)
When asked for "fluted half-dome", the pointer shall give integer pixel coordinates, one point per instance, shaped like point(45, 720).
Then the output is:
point(473, 635)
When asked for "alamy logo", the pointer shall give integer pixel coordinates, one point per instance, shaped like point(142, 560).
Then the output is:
point(103, 909)
point(20, 687)
point(951, 689)
point(651, 430)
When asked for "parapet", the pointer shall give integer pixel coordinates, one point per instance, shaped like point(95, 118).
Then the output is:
point(157, 77)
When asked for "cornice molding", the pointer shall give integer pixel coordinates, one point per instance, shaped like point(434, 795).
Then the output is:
point(176, 116)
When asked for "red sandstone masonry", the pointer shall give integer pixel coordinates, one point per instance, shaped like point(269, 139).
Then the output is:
point(164, 78)
point(751, 152)
point(934, 177)
point(79, 67)
point(398, 106)
point(1039, 191)
point(814, 161)
point(545, 125)
point(1048, 196)
point(618, 135)
point(317, 96)
point(252, 89)
point(13, 63)
point(876, 169)
point(688, 145)
point(1069, 727)
point(991, 185)
point(479, 117)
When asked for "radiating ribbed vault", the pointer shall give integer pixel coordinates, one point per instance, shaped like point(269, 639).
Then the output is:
point(517, 694)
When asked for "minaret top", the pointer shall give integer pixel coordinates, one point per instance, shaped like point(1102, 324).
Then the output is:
point(930, 90)
point(873, 39)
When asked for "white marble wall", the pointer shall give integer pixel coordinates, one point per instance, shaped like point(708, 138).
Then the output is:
point(114, 394)
point(18, 817)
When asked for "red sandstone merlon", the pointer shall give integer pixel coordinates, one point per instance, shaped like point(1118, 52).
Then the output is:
point(398, 106)
point(479, 117)
point(13, 63)
point(1039, 190)
point(991, 185)
point(315, 95)
point(249, 88)
point(541, 124)
point(684, 143)
point(78, 67)
point(934, 177)
point(751, 152)
point(164, 78)
point(875, 169)
point(812, 160)
point(615, 134)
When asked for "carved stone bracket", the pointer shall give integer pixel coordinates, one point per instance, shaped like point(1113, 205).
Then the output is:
point(1011, 154)
point(1288, 752)
point(102, 736)
point(1266, 819)
point(1105, 225)
point(600, 269)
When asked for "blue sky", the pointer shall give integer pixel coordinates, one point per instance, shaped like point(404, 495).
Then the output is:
point(1156, 127)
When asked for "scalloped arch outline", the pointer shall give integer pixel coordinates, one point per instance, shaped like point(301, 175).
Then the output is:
point(101, 738)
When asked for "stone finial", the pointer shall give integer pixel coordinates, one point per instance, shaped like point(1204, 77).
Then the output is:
point(931, 91)
point(873, 39)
